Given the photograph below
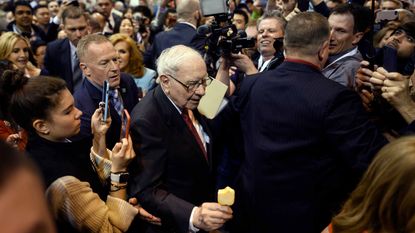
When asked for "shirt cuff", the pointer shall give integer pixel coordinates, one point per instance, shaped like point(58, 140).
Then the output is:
point(192, 228)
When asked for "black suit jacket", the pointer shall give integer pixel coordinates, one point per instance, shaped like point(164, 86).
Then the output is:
point(117, 23)
point(307, 142)
point(180, 34)
point(170, 174)
point(58, 61)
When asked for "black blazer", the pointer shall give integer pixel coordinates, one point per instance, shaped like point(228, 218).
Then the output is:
point(58, 61)
point(170, 174)
point(307, 142)
point(180, 34)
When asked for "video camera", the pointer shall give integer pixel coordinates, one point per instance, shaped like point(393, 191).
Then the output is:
point(222, 37)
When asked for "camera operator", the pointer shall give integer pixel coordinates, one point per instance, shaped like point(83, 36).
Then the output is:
point(270, 27)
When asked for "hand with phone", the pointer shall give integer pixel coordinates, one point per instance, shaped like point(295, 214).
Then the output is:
point(364, 87)
point(122, 154)
point(396, 91)
point(125, 124)
point(104, 102)
point(99, 130)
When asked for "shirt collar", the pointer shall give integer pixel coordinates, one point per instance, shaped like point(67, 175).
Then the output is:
point(177, 108)
point(191, 25)
point(336, 56)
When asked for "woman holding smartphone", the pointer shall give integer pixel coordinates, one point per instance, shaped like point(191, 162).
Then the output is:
point(86, 186)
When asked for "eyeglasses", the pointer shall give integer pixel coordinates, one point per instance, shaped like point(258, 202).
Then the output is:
point(399, 32)
point(193, 85)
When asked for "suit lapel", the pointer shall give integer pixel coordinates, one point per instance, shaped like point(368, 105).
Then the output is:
point(65, 54)
point(175, 121)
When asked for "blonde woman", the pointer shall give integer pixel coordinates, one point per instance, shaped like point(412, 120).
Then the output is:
point(131, 62)
point(16, 49)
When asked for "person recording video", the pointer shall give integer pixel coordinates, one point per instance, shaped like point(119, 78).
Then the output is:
point(388, 82)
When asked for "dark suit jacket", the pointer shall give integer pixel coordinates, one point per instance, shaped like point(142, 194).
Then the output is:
point(38, 33)
point(307, 142)
point(87, 99)
point(180, 34)
point(58, 61)
point(170, 175)
point(117, 23)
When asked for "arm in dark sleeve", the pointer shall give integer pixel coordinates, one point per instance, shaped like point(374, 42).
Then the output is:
point(50, 66)
point(147, 177)
point(350, 131)
point(322, 9)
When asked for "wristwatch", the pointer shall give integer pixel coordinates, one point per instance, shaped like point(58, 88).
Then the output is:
point(119, 177)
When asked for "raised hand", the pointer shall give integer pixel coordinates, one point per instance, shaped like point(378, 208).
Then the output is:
point(121, 155)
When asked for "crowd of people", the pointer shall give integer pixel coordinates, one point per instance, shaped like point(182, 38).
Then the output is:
point(315, 131)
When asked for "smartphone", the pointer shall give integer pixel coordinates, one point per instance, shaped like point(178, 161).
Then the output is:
point(387, 15)
point(125, 124)
point(105, 94)
point(390, 59)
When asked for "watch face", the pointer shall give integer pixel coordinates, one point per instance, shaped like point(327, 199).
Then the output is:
point(124, 177)
point(120, 177)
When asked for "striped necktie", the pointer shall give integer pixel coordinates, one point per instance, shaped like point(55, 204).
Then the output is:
point(116, 101)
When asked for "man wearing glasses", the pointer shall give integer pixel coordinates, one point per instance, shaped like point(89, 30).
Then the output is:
point(173, 176)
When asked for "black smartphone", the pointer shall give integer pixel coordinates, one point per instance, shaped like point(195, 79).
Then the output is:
point(105, 94)
point(125, 124)
point(390, 59)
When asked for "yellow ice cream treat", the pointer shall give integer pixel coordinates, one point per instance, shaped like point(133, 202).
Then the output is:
point(226, 196)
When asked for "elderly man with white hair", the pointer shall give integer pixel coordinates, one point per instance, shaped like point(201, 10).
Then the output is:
point(173, 176)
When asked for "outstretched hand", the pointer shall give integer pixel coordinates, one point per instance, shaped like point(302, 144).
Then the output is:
point(143, 214)
point(98, 126)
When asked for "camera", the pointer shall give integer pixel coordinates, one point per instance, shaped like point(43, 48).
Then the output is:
point(222, 37)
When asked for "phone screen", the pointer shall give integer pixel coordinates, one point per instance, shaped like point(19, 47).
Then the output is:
point(105, 93)
point(125, 124)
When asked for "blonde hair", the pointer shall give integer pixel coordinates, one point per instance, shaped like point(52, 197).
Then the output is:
point(135, 64)
point(384, 200)
point(7, 41)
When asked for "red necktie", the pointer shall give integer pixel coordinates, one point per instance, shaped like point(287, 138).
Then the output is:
point(188, 121)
